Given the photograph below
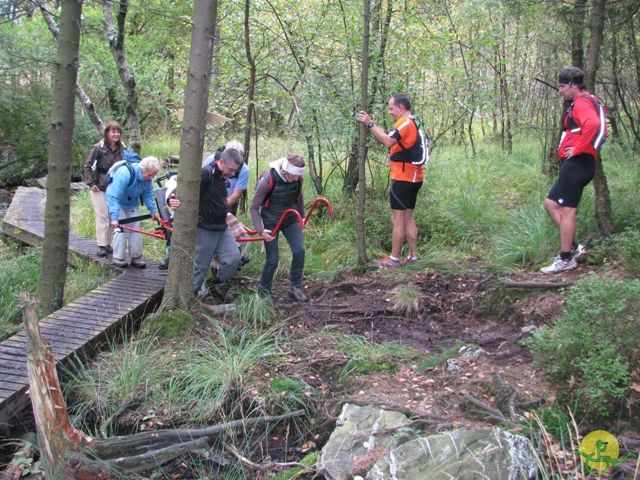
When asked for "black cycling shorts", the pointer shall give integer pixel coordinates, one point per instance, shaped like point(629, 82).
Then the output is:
point(403, 195)
point(575, 174)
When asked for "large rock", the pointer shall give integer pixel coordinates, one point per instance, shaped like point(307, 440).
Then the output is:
point(362, 436)
point(461, 454)
point(383, 445)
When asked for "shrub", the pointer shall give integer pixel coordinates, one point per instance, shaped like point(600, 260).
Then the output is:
point(591, 344)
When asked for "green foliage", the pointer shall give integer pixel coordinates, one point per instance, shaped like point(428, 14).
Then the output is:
point(287, 394)
point(168, 324)
point(592, 341)
point(627, 245)
point(435, 360)
point(367, 357)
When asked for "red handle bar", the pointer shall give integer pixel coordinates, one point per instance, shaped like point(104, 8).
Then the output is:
point(287, 212)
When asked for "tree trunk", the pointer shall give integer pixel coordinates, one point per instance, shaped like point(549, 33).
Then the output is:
point(84, 99)
point(56, 227)
point(362, 184)
point(116, 44)
point(600, 187)
point(179, 286)
point(252, 82)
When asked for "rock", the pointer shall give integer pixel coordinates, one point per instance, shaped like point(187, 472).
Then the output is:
point(461, 454)
point(362, 436)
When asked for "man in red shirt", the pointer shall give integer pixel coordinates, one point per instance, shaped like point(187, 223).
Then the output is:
point(407, 175)
point(584, 132)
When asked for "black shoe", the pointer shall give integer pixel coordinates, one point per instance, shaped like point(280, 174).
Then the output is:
point(244, 259)
point(164, 264)
point(102, 252)
point(109, 249)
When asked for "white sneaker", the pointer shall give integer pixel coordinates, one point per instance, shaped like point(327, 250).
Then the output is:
point(579, 252)
point(560, 265)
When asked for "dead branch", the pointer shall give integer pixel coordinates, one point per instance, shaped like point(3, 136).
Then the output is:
point(153, 458)
point(532, 285)
point(142, 442)
point(265, 466)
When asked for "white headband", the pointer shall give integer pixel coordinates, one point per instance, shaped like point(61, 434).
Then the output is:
point(290, 168)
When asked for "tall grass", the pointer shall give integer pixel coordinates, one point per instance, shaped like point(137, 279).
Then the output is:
point(115, 381)
point(210, 377)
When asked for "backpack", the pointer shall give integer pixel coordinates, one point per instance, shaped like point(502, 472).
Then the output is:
point(418, 154)
point(603, 112)
point(129, 157)
point(271, 172)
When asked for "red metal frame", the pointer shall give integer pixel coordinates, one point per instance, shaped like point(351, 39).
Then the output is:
point(167, 225)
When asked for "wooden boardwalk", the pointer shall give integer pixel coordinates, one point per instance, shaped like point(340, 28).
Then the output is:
point(80, 326)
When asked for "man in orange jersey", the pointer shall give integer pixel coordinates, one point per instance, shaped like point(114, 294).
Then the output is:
point(406, 160)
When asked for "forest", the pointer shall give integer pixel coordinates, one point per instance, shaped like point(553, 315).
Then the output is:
point(470, 336)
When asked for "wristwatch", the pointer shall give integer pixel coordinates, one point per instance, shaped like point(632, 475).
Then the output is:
point(370, 125)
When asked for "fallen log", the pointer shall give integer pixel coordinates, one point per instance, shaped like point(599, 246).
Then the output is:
point(528, 284)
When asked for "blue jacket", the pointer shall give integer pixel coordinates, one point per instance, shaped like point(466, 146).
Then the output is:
point(121, 195)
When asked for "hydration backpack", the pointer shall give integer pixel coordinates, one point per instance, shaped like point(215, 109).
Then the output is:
point(418, 154)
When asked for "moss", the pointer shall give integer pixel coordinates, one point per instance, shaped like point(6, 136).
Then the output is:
point(308, 461)
point(168, 324)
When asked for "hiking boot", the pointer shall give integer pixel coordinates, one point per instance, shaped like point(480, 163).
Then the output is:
point(164, 264)
point(109, 249)
point(116, 262)
point(409, 259)
point(578, 252)
point(244, 259)
point(560, 265)
point(102, 252)
point(297, 294)
point(388, 262)
point(138, 263)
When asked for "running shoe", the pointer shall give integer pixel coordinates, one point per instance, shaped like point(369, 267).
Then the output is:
point(560, 265)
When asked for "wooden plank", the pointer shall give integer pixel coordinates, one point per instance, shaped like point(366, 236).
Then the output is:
point(69, 325)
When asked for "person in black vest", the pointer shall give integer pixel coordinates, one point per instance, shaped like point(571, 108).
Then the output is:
point(277, 190)
point(213, 237)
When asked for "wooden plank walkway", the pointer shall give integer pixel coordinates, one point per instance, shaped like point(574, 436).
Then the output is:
point(80, 326)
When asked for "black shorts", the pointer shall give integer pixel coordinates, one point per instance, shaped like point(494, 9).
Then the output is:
point(403, 195)
point(575, 174)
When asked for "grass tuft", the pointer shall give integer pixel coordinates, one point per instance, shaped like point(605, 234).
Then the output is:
point(407, 299)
